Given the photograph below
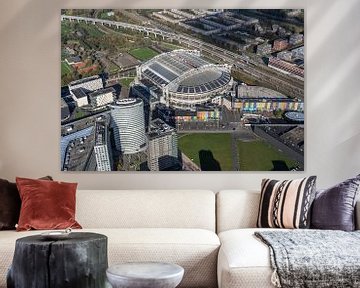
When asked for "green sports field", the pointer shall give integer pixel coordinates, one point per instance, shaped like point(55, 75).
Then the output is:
point(143, 54)
point(213, 151)
point(210, 147)
point(261, 156)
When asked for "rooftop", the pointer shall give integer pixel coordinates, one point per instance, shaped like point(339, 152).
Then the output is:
point(73, 59)
point(102, 92)
point(295, 116)
point(65, 140)
point(100, 133)
point(79, 93)
point(127, 102)
point(84, 80)
point(245, 91)
point(185, 113)
point(159, 128)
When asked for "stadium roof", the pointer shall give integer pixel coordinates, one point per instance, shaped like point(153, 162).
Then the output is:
point(202, 80)
point(185, 72)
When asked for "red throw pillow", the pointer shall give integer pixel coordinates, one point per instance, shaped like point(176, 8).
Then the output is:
point(46, 204)
point(10, 204)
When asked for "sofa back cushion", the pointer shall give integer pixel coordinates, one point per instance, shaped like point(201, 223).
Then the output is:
point(236, 209)
point(146, 209)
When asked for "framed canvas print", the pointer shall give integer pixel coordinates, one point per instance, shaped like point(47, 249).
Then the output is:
point(182, 90)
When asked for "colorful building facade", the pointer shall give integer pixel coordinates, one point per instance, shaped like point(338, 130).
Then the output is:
point(200, 115)
point(268, 105)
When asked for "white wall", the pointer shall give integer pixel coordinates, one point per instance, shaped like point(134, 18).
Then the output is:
point(30, 88)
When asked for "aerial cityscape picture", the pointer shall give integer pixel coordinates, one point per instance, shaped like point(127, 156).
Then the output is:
point(182, 90)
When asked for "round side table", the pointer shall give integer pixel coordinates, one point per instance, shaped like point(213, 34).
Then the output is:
point(78, 261)
point(145, 275)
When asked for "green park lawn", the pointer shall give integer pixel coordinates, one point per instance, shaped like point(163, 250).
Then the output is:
point(113, 68)
point(143, 54)
point(259, 156)
point(170, 46)
point(65, 68)
point(218, 144)
point(91, 30)
point(126, 81)
point(79, 113)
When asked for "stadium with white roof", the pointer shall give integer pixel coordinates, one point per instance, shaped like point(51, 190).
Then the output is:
point(185, 78)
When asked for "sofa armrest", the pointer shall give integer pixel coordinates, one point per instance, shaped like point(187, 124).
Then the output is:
point(357, 215)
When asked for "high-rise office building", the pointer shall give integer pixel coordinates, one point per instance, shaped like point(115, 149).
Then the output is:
point(163, 146)
point(128, 122)
point(102, 147)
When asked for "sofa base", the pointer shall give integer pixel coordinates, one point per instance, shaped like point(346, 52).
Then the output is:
point(196, 250)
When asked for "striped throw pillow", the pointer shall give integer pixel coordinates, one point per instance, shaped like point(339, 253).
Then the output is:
point(286, 204)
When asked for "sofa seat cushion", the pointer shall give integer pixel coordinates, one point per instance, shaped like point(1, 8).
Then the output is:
point(196, 250)
point(244, 261)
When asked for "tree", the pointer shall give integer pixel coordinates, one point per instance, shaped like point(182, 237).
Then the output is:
point(277, 113)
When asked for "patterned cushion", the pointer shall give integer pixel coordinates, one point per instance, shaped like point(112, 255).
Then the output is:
point(286, 204)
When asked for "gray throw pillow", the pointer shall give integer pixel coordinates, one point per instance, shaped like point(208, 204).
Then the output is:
point(334, 208)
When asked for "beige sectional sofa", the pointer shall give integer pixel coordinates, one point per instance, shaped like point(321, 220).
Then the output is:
point(243, 260)
point(177, 226)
